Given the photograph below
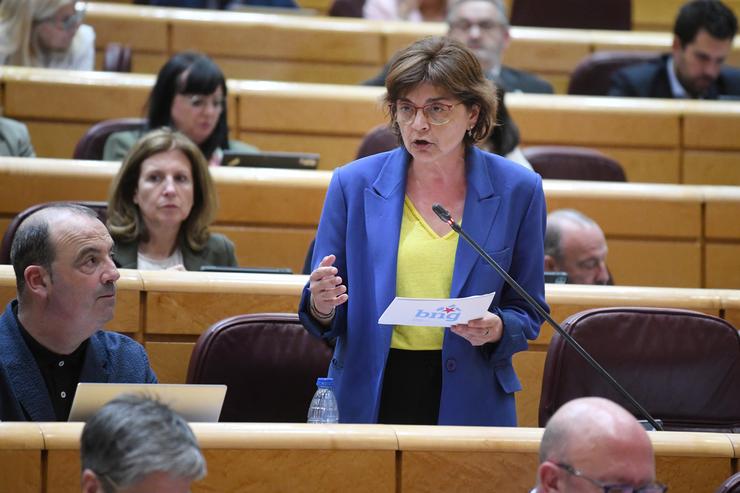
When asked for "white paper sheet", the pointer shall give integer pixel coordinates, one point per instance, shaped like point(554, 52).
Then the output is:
point(435, 312)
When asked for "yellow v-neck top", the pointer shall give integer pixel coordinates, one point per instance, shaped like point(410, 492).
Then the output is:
point(425, 265)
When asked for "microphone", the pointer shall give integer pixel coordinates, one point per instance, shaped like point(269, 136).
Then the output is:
point(445, 216)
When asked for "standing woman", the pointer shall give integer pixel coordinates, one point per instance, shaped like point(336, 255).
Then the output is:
point(46, 33)
point(161, 204)
point(189, 96)
point(379, 238)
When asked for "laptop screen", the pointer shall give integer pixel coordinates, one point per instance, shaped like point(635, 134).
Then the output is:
point(289, 160)
point(192, 402)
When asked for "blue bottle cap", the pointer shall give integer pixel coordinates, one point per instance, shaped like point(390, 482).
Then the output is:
point(325, 382)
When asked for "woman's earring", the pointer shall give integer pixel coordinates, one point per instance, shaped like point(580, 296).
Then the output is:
point(470, 132)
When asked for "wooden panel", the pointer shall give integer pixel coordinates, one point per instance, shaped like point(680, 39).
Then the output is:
point(529, 366)
point(648, 165)
point(723, 266)
point(248, 35)
point(711, 167)
point(660, 15)
point(691, 474)
point(21, 470)
point(293, 470)
point(270, 247)
point(547, 51)
point(334, 151)
point(193, 313)
point(169, 360)
point(295, 71)
point(55, 139)
point(289, 107)
point(434, 471)
point(150, 36)
point(711, 125)
point(63, 470)
point(126, 314)
point(721, 215)
point(655, 263)
point(572, 120)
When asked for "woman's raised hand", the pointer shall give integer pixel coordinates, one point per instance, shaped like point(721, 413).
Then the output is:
point(327, 290)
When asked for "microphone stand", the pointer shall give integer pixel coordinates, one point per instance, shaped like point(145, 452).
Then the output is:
point(445, 216)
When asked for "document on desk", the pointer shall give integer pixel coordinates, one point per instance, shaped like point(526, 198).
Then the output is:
point(435, 312)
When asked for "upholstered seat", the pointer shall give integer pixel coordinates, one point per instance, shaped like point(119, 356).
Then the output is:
point(573, 163)
point(91, 145)
point(730, 485)
point(592, 76)
point(269, 363)
point(682, 366)
point(577, 14)
point(100, 208)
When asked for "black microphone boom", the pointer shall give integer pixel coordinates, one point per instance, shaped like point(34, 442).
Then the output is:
point(445, 216)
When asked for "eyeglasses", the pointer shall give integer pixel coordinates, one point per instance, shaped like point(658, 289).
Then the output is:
point(465, 25)
point(615, 488)
point(435, 113)
point(71, 21)
point(199, 101)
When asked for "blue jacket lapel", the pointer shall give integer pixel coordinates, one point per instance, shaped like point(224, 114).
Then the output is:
point(383, 214)
point(481, 206)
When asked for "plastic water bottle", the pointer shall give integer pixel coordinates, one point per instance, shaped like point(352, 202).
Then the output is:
point(323, 407)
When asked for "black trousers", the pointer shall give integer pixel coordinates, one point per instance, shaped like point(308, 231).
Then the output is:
point(412, 386)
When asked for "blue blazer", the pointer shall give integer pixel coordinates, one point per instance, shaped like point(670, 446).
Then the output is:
point(504, 211)
point(110, 357)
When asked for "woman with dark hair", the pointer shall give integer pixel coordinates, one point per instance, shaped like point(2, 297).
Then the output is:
point(161, 204)
point(189, 96)
point(379, 238)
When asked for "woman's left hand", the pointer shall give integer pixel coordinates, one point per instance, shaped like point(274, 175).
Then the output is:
point(489, 328)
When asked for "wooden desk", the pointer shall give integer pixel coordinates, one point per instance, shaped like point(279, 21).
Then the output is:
point(343, 50)
point(167, 311)
point(659, 141)
point(254, 457)
point(272, 215)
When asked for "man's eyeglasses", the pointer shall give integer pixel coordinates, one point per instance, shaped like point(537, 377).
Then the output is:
point(615, 488)
point(199, 101)
point(464, 25)
point(435, 113)
point(71, 21)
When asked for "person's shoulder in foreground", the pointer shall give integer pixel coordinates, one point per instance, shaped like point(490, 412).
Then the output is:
point(591, 443)
point(135, 444)
point(14, 139)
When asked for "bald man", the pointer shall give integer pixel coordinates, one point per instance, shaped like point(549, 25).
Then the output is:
point(576, 245)
point(592, 444)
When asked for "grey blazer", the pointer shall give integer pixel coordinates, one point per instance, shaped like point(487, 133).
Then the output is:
point(14, 139)
point(219, 250)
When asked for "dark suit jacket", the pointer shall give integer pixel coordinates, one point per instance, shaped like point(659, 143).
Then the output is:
point(650, 80)
point(109, 358)
point(360, 224)
point(510, 80)
point(219, 250)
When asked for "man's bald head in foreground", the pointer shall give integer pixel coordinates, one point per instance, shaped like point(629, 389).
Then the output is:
point(591, 439)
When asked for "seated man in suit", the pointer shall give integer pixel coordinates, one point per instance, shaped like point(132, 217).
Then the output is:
point(703, 34)
point(483, 27)
point(50, 337)
point(14, 139)
point(576, 245)
point(135, 444)
point(593, 444)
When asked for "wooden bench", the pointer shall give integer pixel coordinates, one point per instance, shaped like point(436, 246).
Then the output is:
point(659, 141)
point(343, 50)
point(658, 235)
point(167, 312)
point(362, 458)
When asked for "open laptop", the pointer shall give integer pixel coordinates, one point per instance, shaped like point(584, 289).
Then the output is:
point(192, 402)
point(556, 277)
point(289, 160)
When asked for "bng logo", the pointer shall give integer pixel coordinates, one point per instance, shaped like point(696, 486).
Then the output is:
point(449, 313)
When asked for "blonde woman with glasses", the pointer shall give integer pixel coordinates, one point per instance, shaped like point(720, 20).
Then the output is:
point(46, 33)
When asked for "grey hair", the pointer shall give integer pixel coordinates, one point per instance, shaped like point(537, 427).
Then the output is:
point(499, 4)
point(553, 232)
point(133, 436)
